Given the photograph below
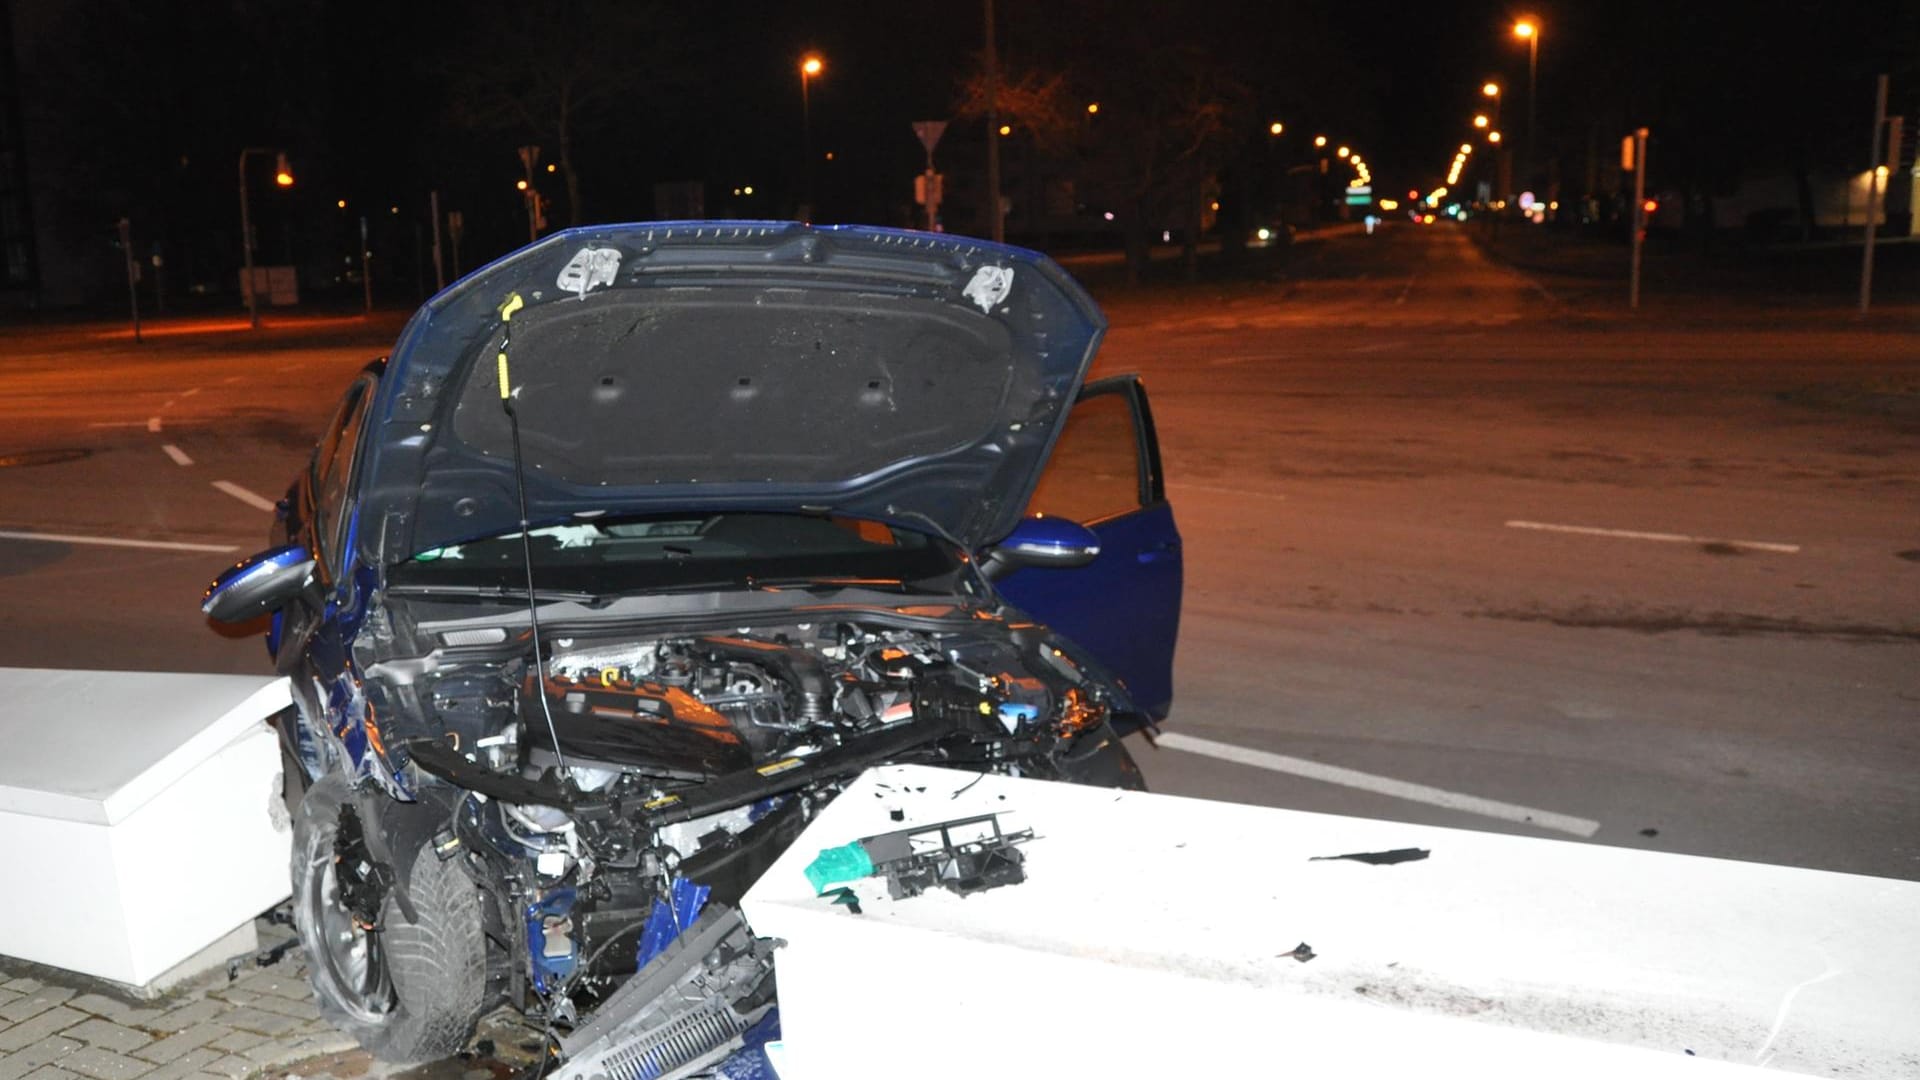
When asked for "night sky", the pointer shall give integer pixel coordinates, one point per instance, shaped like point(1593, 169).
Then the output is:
point(140, 108)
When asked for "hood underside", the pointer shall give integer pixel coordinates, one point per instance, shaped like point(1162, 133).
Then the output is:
point(685, 367)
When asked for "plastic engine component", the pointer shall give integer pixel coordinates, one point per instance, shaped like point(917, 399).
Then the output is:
point(684, 1011)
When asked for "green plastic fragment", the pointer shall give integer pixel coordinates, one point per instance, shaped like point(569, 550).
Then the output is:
point(848, 862)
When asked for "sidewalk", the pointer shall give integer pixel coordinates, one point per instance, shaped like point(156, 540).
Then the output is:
point(55, 1025)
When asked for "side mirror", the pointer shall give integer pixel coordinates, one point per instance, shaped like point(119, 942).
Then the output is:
point(1041, 541)
point(259, 584)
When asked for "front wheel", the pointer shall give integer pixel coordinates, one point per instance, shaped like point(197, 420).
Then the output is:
point(409, 991)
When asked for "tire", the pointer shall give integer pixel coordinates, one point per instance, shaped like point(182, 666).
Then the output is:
point(410, 992)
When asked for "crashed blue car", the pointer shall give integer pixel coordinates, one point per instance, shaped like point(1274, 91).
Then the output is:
point(643, 542)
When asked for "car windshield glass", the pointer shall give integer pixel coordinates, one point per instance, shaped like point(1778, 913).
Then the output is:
point(614, 556)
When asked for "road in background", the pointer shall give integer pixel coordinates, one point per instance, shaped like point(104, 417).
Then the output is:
point(1458, 552)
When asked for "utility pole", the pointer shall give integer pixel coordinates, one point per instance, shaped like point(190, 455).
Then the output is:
point(1873, 193)
point(133, 273)
point(530, 156)
point(439, 265)
point(996, 224)
point(366, 264)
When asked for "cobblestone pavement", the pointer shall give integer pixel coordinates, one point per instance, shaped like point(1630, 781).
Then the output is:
point(210, 1029)
point(260, 1024)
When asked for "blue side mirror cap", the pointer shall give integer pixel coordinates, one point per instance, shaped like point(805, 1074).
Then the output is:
point(1042, 541)
point(258, 584)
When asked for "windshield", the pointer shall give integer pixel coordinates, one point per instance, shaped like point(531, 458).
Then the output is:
point(613, 556)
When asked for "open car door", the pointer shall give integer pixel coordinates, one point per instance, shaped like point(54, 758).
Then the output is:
point(1124, 606)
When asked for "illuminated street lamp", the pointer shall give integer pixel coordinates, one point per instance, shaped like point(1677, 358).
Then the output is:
point(810, 67)
point(1342, 152)
point(1276, 128)
point(1528, 30)
point(1319, 141)
point(1493, 136)
point(283, 176)
point(1491, 90)
point(1481, 121)
point(1093, 108)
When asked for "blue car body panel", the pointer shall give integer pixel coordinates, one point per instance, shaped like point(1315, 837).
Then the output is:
point(1123, 607)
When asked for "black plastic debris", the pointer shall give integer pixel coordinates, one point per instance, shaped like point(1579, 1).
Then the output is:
point(845, 897)
point(1649, 832)
point(1302, 952)
point(1379, 858)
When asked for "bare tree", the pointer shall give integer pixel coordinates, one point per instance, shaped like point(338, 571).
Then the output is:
point(543, 71)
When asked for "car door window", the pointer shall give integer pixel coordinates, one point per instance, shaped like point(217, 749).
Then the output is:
point(1096, 471)
point(333, 468)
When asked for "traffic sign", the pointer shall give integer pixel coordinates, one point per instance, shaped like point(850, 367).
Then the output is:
point(929, 132)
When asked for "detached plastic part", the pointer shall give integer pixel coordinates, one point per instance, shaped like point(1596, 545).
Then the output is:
point(684, 1012)
point(916, 859)
point(848, 862)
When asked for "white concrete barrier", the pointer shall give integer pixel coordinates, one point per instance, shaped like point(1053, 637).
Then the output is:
point(139, 822)
point(1153, 937)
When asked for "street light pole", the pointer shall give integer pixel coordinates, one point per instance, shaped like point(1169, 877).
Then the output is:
point(996, 222)
point(1529, 29)
point(284, 177)
point(1873, 193)
point(1533, 92)
point(810, 66)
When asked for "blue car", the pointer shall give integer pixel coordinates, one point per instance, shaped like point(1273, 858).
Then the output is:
point(644, 541)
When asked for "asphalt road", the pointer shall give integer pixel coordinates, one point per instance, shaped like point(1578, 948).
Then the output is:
point(1459, 550)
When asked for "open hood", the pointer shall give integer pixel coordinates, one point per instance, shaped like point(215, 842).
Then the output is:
point(693, 366)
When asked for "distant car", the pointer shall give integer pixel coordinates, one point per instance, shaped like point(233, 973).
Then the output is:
point(1271, 234)
point(643, 542)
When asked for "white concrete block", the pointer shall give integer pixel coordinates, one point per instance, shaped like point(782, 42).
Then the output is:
point(1152, 934)
point(135, 816)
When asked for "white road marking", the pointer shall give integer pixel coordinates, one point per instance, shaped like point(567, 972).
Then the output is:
point(190, 393)
point(1226, 361)
point(118, 423)
point(1379, 785)
point(178, 455)
point(1377, 347)
point(114, 541)
point(1235, 492)
point(153, 424)
point(1657, 537)
point(258, 502)
point(168, 404)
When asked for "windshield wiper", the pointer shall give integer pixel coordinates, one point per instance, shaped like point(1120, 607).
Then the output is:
point(496, 592)
point(876, 584)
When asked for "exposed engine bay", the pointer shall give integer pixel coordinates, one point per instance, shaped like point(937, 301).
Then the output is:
point(591, 793)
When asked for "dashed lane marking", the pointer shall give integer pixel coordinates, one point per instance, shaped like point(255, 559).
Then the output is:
point(1656, 537)
point(1238, 493)
point(253, 499)
point(116, 541)
point(178, 455)
point(1379, 785)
